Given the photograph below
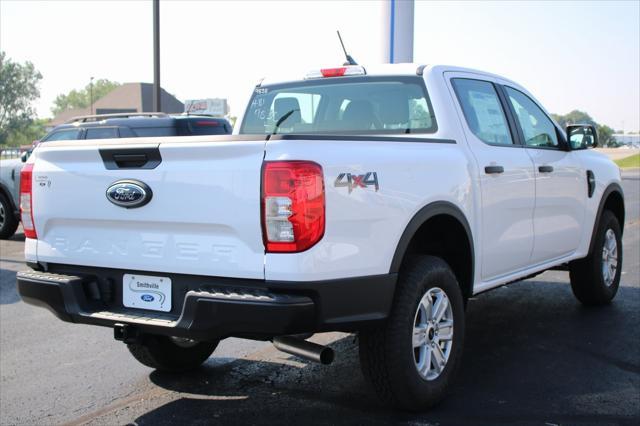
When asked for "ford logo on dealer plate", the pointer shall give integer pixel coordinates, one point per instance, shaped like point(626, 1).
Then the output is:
point(147, 297)
point(129, 193)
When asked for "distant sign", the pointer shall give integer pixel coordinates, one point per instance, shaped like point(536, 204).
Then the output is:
point(206, 106)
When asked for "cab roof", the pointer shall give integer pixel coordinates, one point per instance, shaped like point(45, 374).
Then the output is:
point(403, 69)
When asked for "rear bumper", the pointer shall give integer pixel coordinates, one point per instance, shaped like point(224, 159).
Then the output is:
point(207, 308)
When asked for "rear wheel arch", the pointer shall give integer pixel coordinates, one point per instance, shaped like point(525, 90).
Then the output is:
point(440, 229)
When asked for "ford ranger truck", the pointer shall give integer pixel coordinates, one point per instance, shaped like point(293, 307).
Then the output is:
point(370, 200)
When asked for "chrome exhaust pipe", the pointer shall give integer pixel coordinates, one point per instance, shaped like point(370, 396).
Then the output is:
point(304, 349)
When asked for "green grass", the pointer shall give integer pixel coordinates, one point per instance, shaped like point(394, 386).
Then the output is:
point(629, 162)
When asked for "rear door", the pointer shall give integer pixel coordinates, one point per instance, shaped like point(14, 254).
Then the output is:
point(506, 175)
point(561, 187)
point(203, 216)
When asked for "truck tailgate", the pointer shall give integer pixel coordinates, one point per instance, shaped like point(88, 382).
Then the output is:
point(203, 217)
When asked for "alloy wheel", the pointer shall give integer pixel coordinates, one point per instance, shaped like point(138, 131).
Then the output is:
point(609, 257)
point(432, 333)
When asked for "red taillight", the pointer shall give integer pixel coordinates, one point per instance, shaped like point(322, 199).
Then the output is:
point(207, 123)
point(26, 201)
point(292, 205)
point(333, 72)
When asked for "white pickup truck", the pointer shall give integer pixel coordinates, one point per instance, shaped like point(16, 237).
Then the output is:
point(374, 200)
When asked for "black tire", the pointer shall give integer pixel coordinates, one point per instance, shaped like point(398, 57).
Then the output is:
point(587, 277)
point(8, 221)
point(162, 353)
point(387, 353)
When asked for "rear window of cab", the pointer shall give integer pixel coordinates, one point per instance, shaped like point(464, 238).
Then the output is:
point(348, 105)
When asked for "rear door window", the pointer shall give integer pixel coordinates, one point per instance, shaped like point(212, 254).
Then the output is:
point(101, 133)
point(126, 132)
point(154, 131)
point(482, 110)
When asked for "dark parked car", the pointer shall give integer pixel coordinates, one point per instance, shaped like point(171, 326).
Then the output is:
point(108, 126)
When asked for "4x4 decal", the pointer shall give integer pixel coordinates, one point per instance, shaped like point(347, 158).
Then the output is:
point(357, 181)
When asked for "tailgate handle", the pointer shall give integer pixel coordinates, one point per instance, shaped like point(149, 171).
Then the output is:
point(131, 157)
point(126, 161)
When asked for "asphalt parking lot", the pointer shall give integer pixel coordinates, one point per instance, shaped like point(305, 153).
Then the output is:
point(533, 354)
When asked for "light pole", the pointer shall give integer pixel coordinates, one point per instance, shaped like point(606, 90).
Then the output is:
point(156, 56)
point(91, 93)
point(397, 26)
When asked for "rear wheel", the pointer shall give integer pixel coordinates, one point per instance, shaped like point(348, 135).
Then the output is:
point(412, 359)
point(595, 279)
point(8, 220)
point(171, 354)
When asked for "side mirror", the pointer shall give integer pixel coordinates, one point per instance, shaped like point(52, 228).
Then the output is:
point(25, 156)
point(582, 136)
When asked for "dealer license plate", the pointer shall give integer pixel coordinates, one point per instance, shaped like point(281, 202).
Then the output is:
point(146, 292)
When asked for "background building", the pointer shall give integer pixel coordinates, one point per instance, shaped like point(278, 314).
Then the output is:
point(628, 139)
point(129, 97)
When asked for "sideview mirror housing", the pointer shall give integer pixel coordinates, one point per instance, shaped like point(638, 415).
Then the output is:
point(25, 156)
point(582, 136)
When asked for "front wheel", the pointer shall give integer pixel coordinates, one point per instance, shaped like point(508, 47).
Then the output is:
point(595, 279)
point(171, 354)
point(412, 359)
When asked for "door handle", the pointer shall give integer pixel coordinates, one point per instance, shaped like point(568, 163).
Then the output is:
point(491, 170)
point(545, 169)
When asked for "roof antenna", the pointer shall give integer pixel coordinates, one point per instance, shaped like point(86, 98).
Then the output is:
point(350, 60)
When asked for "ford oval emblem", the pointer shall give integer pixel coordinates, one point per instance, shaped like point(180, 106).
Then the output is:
point(129, 193)
point(147, 297)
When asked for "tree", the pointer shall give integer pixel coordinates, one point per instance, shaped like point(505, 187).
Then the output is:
point(574, 117)
point(605, 133)
point(82, 98)
point(18, 90)
point(419, 116)
point(558, 119)
point(605, 136)
point(26, 134)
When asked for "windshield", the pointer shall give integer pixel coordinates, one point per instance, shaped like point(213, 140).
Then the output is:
point(360, 105)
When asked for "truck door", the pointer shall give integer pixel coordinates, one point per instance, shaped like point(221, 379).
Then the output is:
point(561, 180)
point(506, 175)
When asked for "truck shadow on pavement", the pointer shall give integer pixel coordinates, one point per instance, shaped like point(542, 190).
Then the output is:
point(8, 290)
point(532, 353)
point(18, 236)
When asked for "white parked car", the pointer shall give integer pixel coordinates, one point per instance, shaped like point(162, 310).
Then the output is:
point(375, 200)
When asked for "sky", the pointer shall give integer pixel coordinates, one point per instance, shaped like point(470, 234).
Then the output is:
point(570, 55)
